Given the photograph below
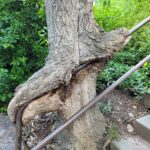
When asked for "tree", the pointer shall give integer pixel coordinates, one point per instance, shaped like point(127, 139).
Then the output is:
point(74, 39)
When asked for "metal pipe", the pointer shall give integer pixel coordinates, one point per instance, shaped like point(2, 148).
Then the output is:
point(138, 26)
point(89, 105)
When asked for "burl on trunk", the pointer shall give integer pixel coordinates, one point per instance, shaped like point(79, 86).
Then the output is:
point(74, 39)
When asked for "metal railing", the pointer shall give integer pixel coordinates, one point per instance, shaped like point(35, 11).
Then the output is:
point(43, 142)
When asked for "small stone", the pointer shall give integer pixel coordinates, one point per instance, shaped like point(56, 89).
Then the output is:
point(53, 146)
point(37, 117)
point(131, 115)
point(130, 128)
point(118, 108)
point(140, 113)
point(120, 103)
point(134, 107)
point(119, 120)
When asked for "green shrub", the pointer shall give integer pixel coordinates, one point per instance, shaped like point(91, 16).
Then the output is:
point(106, 107)
point(112, 14)
point(23, 44)
point(5, 83)
point(137, 82)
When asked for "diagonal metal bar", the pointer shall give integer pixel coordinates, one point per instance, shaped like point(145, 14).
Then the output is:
point(138, 26)
point(89, 105)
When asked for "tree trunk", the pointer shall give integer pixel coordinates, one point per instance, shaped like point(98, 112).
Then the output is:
point(74, 39)
point(65, 101)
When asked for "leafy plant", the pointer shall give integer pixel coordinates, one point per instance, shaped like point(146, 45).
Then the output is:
point(23, 46)
point(106, 107)
point(112, 14)
point(136, 83)
point(5, 85)
point(3, 108)
point(113, 132)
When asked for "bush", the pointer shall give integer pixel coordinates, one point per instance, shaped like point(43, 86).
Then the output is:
point(112, 14)
point(23, 45)
point(136, 83)
point(5, 82)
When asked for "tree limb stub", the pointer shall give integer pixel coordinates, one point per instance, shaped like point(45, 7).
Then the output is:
point(74, 39)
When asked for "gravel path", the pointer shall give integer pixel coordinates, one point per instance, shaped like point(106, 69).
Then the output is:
point(7, 133)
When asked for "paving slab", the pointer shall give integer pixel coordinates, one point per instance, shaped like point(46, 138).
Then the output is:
point(7, 133)
point(147, 100)
point(142, 127)
point(130, 143)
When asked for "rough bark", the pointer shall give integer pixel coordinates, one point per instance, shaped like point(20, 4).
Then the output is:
point(74, 39)
point(86, 131)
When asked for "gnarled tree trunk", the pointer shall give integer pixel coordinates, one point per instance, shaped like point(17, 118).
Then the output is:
point(74, 39)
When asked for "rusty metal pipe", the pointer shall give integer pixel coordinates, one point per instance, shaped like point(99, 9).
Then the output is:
point(89, 105)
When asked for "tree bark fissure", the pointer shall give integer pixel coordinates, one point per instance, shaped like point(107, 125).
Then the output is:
point(74, 39)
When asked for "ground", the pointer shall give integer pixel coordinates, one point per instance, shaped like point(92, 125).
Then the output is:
point(121, 109)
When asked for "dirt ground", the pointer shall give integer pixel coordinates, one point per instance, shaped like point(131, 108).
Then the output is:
point(121, 109)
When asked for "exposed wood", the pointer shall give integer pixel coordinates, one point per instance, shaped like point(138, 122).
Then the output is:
point(86, 131)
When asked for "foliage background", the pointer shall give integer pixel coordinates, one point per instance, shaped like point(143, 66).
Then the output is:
point(23, 43)
point(112, 14)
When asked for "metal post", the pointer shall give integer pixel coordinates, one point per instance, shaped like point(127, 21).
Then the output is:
point(89, 105)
